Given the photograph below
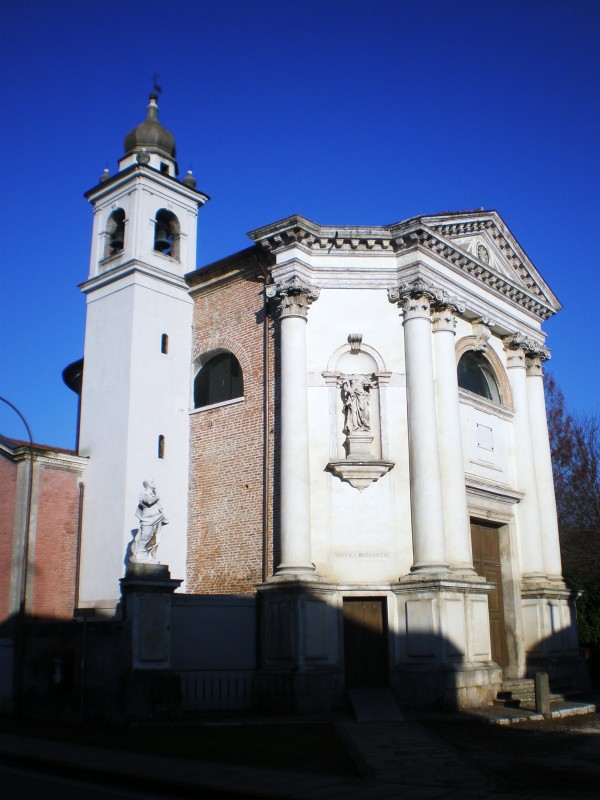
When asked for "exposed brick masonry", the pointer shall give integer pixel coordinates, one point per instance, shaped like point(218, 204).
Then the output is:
point(225, 540)
point(8, 491)
point(51, 575)
point(55, 543)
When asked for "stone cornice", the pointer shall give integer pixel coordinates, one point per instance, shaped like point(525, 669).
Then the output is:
point(466, 223)
point(130, 268)
point(45, 456)
point(532, 298)
point(238, 266)
point(141, 173)
point(502, 493)
point(414, 234)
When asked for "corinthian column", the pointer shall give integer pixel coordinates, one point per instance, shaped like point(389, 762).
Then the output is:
point(294, 299)
point(454, 493)
point(429, 552)
point(543, 461)
point(530, 536)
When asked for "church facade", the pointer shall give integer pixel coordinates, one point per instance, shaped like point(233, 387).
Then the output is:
point(346, 428)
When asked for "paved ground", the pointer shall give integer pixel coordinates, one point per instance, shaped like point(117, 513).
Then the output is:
point(398, 759)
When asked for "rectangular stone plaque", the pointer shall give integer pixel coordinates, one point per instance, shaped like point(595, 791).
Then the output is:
point(485, 437)
point(153, 628)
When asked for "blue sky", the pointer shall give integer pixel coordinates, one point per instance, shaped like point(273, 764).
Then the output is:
point(345, 112)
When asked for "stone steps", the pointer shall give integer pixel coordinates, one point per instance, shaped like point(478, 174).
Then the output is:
point(521, 694)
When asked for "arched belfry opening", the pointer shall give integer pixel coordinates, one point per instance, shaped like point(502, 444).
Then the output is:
point(166, 233)
point(115, 233)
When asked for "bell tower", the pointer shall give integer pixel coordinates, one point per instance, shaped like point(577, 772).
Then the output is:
point(137, 356)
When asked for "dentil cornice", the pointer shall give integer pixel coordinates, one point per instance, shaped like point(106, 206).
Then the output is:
point(425, 234)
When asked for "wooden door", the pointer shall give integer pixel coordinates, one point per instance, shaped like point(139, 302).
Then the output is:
point(365, 642)
point(486, 561)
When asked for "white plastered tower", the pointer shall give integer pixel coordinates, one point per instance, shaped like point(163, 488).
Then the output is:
point(135, 395)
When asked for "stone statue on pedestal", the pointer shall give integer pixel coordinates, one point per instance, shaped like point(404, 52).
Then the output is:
point(151, 516)
point(355, 397)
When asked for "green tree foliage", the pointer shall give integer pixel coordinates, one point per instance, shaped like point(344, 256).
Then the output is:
point(575, 446)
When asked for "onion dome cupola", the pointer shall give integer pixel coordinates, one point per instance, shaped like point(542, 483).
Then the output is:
point(150, 143)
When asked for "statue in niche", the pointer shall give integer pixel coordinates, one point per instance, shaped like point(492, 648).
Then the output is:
point(355, 398)
point(151, 516)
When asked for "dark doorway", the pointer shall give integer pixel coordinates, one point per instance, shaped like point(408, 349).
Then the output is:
point(365, 642)
point(486, 561)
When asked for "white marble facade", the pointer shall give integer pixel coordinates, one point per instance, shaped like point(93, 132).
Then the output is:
point(386, 511)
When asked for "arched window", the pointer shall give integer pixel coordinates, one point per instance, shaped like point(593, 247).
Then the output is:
point(166, 233)
point(219, 379)
point(475, 375)
point(115, 233)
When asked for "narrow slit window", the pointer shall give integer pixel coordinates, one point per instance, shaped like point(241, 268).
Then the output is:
point(164, 343)
point(161, 446)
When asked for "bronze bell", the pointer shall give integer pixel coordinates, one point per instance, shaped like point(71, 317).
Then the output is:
point(117, 240)
point(162, 239)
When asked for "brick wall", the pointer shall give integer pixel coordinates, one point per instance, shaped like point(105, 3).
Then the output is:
point(8, 491)
point(225, 537)
point(57, 514)
point(51, 575)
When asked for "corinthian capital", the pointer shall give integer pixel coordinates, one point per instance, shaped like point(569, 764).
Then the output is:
point(515, 346)
point(444, 319)
point(535, 359)
point(520, 350)
point(294, 297)
point(417, 298)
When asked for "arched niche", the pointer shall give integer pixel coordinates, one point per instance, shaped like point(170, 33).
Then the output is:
point(356, 378)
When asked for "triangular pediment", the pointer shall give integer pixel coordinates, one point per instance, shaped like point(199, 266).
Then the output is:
point(486, 240)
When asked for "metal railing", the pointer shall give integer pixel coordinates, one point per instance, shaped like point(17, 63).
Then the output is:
point(235, 690)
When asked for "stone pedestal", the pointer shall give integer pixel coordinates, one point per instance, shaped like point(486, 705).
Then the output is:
point(442, 652)
point(550, 633)
point(300, 635)
point(358, 446)
point(147, 590)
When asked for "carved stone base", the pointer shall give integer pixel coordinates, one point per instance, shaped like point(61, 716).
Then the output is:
point(359, 474)
point(358, 446)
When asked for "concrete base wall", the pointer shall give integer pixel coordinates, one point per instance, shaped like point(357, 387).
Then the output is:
point(213, 632)
point(450, 688)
